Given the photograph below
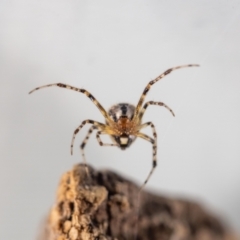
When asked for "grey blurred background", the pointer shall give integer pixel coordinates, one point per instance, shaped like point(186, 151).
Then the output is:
point(113, 49)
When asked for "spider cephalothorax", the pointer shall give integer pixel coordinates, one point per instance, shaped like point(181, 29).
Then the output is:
point(123, 121)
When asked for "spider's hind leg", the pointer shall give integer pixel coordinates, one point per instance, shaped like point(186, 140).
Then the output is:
point(100, 141)
point(153, 141)
point(94, 123)
point(82, 146)
point(153, 103)
point(84, 142)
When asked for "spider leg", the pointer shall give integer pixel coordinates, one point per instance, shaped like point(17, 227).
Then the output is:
point(100, 141)
point(153, 141)
point(94, 123)
point(153, 103)
point(82, 146)
point(147, 88)
point(88, 94)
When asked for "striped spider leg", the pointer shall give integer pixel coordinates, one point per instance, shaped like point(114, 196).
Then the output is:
point(139, 112)
point(147, 88)
point(153, 141)
point(122, 121)
point(84, 142)
point(88, 94)
point(95, 125)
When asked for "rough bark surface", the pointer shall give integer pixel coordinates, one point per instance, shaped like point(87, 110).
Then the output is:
point(104, 205)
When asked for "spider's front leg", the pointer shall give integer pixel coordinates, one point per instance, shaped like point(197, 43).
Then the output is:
point(147, 88)
point(81, 90)
point(153, 141)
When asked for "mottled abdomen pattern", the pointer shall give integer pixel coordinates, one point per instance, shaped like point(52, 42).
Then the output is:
point(121, 109)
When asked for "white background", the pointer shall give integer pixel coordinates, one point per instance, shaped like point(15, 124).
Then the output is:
point(113, 49)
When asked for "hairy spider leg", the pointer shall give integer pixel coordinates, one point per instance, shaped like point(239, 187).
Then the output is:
point(100, 141)
point(147, 88)
point(88, 94)
point(84, 142)
point(141, 113)
point(94, 123)
point(153, 141)
point(82, 146)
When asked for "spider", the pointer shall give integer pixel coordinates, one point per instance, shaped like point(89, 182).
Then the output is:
point(123, 120)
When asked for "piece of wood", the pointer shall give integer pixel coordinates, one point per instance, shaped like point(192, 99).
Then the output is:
point(103, 205)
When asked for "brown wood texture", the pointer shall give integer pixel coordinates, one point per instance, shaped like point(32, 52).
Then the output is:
point(104, 205)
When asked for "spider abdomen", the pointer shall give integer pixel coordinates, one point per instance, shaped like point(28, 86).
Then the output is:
point(120, 110)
